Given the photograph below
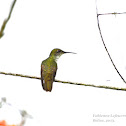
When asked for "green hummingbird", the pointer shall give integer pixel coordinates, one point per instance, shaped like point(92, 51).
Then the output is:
point(49, 68)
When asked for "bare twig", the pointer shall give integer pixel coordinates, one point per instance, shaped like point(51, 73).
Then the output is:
point(6, 20)
point(115, 13)
point(65, 82)
point(104, 41)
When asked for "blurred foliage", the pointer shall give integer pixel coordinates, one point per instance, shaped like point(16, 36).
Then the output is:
point(3, 100)
point(23, 113)
point(3, 123)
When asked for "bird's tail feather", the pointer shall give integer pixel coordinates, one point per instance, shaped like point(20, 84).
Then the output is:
point(48, 82)
point(48, 86)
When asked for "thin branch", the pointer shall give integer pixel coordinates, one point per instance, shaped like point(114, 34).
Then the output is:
point(6, 20)
point(20, 75)
point(115, 13)
point(65, 82)
point(105, 44)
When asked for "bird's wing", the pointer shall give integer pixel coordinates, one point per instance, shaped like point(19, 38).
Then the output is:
point(42, 68)
point(48, 78)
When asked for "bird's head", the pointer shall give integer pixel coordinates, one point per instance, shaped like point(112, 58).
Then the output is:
point(56, 53)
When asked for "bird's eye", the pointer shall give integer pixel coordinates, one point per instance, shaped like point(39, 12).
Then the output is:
point(58, 51)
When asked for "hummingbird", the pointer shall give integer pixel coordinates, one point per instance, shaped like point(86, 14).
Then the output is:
point(49, 68)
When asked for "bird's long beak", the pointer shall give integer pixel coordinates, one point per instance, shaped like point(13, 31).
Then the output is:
point(70, 52)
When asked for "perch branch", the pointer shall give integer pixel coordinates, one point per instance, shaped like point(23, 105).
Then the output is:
point(66, 82)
